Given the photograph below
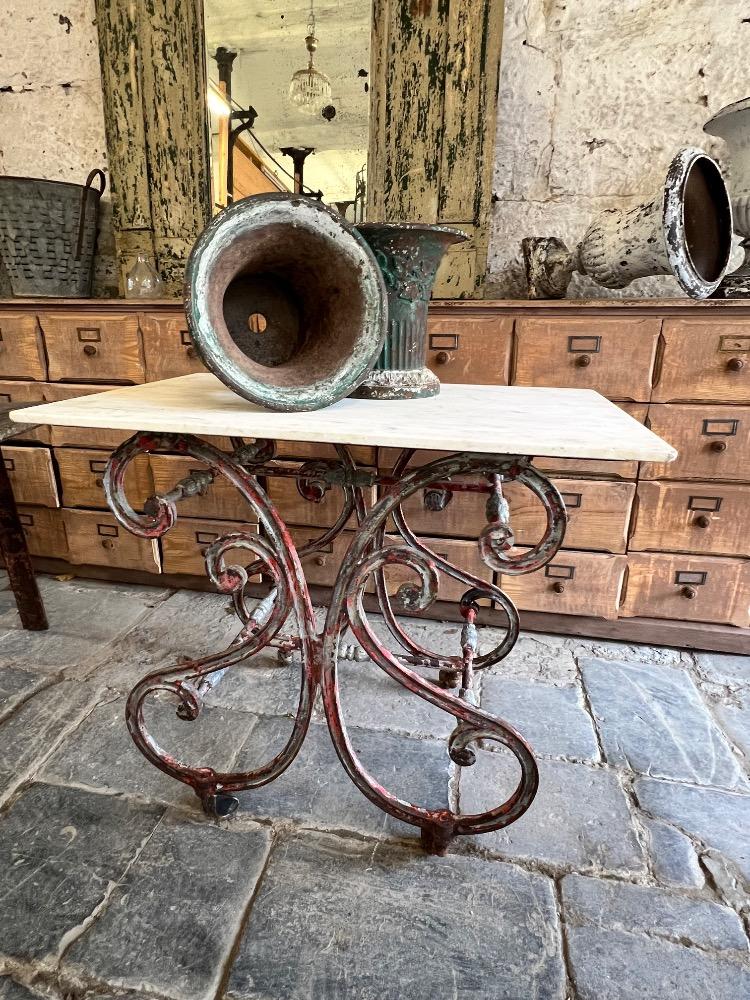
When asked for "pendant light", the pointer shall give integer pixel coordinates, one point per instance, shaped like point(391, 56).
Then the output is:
point(310, 90)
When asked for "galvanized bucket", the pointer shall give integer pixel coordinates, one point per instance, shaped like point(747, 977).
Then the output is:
point(48, 235)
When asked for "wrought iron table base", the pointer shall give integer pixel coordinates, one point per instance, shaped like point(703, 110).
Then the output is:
point(274, 554)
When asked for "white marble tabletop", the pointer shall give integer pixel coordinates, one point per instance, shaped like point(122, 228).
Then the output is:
point(511, 420)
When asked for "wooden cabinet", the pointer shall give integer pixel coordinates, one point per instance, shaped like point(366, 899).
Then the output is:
point(44, 528)
point(31, 475)
point(306, 451)
point(184, 545)
point(713, 442)
point(602, 470)
point(86, 437)
point(91, 347)
point(693, 517)
point(321, 567)
point(688, 588)
point(96, 539)
point(19, 394)
point(473, 350)
point(21, 347)
point(82, 478)
point(614, 356)
point(574, 583)
point(221, 500)
point(706, 359)
point(464, 555)
point(167, 347)
point(296, 510)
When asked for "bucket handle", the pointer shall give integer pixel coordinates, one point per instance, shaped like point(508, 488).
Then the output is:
point(88, 186)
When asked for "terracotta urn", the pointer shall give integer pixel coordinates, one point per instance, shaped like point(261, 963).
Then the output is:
point(732, 124)
point(409, 254)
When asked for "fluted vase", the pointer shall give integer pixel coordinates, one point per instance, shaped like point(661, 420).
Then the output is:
point(409, 255)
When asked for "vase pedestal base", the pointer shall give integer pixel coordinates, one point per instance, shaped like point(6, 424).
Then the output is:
point(411, 383)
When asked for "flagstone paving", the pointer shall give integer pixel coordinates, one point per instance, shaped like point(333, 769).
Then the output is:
point(628, 878)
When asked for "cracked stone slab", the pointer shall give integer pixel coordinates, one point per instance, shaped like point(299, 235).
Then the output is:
point(552, 719)
point(172, 920)
point(262, 685)
point(579, 818)
point(64, 847)
point(31, 733)
point(651, 912)
point(652, 720)
point(336, 918)
point(186, 624)
point(673, 856)
point(316, 791)
point(85, 617)
point(736, 722)
point(724, 668)
point(10, 990)
point(15, 686)
point(718, 819)
point(536, 657)
point(102, 755)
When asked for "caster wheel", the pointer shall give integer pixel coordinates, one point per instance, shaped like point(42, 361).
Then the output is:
point(221, 805)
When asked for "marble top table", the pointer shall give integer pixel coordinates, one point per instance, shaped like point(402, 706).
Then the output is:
point(573, 423)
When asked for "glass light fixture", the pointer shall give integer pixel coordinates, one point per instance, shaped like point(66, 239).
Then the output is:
point(310, 90)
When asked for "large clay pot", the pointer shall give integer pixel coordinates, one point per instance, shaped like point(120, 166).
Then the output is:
point(409, 254)
point(285, 302)
point(732, 124)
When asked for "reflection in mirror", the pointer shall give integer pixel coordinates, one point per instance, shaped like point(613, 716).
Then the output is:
point(288, 99)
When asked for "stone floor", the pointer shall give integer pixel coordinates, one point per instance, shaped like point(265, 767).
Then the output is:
point(627, 878)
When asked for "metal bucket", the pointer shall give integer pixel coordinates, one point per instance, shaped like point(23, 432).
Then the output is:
point(48, 235)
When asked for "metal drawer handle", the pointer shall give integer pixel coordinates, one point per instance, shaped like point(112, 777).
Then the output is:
point(442, 358)
point(583, 360)
point(558, 587)
point(99, 483)
point(107, 543)
point(702, 521)
point(89, 349)
point(689, 592)
point(190, 351)
point(320, 560)
point(718, 446)
point(735, 364)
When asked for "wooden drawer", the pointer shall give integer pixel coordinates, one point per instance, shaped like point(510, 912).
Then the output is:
point(704, 359)
point(91, 347)
point(465, 555)
point(613, 356)
point(387, 458)
point(45, 531)
point(692, 517)
point(96, 539)
point(222, 501)
point(86, 437)
point(592, 467)
point(31, 474)
point(688, 588)
point(713, 442)
point(21, 349)
point(306, 450)
point(82, 478)
point(321, 568)
point(167, 348)
point(185, 544)
point(474, 350)
point(21, 394)
point(294, 509)
point(598, 514)
point(574, 583)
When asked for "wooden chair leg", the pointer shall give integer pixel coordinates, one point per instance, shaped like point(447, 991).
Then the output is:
point(17, 559)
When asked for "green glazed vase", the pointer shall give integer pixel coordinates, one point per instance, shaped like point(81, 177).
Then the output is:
point(409, 254)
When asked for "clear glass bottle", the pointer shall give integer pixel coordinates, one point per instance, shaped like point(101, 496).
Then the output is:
point(142, 280)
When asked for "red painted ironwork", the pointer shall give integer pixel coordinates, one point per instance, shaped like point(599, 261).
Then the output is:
point(274, 554)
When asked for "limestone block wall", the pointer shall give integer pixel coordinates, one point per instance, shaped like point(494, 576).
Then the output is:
point(51, 117)
point(595, 97)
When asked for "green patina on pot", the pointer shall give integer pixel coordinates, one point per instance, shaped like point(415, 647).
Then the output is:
point(409, 255)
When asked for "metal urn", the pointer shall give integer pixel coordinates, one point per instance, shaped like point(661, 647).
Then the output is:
point(732, 124)
point(685, 230)
point(285, 302)
point(409, 254)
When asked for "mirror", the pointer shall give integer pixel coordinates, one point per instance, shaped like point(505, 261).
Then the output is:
point(288, 98)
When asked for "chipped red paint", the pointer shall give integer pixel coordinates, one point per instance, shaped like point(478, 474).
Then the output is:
point(367, 556)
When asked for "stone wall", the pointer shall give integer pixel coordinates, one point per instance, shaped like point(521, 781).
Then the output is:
point(51, 118)
point(595, 97)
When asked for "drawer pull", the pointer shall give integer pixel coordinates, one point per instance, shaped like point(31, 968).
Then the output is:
point(99, 483)
point(689, 592)
point(107, 543)
point(558, 587)
point(320, 560)
point(702, 521)
point(442, 358)
point(89, 349)
point(735, 364)
point(191, 351)
point(583, 361)
point(718, 446)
